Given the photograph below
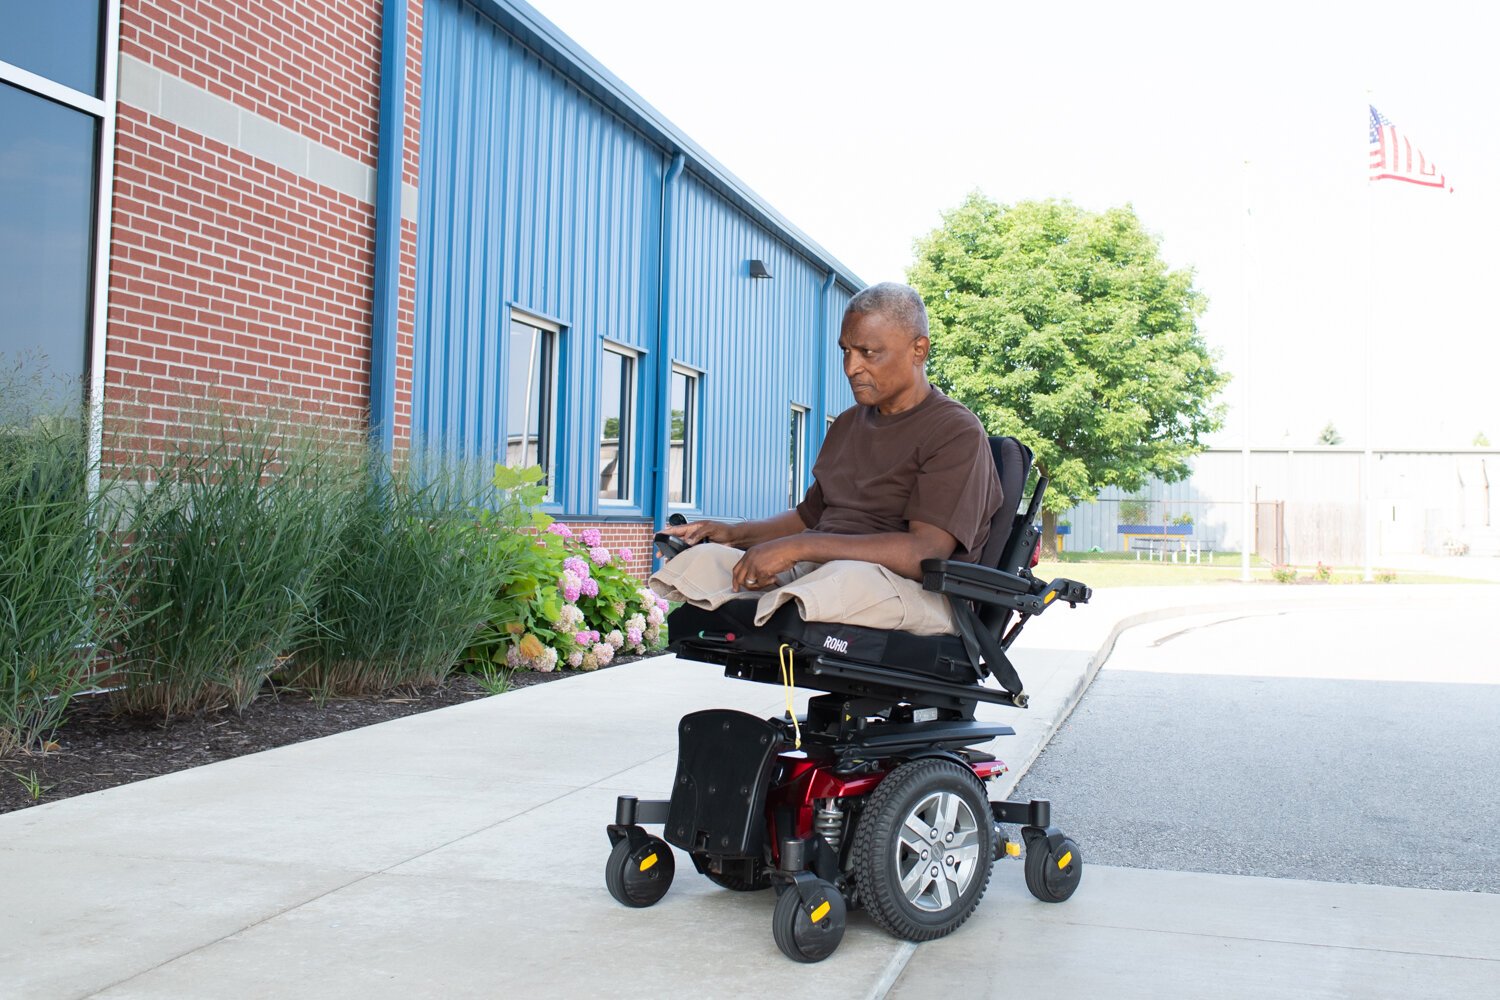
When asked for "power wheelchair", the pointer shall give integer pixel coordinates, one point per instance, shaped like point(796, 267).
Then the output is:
point(875, 797)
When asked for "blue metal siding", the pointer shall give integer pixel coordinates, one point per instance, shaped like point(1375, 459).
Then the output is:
point(755, 339)
point(533, 196)
point(537, 197)
point(837, 397)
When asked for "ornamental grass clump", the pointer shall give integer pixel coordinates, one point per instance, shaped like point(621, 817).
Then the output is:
point(409, 585)
point(230, 536)
point(61, 604)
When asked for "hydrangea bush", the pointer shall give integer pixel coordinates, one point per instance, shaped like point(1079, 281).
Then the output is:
point(570, 600)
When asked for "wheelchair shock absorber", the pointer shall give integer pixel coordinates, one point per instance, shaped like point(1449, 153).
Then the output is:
point(828, 822)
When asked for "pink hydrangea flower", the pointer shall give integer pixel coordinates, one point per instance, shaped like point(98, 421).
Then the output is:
point(590, 587)
point(615, 639)
point(570, 586)
point(559, 529)
point(599, 554)
point(578, 567)
point(603, 652)
point(575, 658)
point(634, 637)
point(626, 555)
point(590, 537)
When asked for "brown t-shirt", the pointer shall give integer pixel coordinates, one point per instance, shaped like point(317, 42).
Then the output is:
point(878, 473)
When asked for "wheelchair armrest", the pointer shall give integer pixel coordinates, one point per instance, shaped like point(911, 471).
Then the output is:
point(992, 586)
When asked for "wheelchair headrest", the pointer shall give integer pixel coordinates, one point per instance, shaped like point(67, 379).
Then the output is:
point(1013, 464)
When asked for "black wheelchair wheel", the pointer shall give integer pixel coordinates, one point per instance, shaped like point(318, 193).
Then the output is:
point(923, 849)
point(640, 876)
point(809, 931)
point(1053, 875)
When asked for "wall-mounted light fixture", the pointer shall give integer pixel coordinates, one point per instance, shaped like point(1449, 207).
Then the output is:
point(758, 269)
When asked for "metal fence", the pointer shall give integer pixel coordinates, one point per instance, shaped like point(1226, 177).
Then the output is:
point(1207, 526)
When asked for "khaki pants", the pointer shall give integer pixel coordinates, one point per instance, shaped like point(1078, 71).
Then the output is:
point(843, 591)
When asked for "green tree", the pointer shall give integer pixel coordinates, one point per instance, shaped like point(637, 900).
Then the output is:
point(1330, 435)
point(1065, 328)
point(1481, 440)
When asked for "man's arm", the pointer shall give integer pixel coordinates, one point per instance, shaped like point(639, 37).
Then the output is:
point(899, 551)
point(744, 534)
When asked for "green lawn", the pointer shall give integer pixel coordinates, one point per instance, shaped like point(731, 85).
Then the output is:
point(1121, 569)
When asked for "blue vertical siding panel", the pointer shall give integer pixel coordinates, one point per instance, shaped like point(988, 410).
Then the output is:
point(536, 196)
point(533, 194)
point(838, 398)
point(755, 340)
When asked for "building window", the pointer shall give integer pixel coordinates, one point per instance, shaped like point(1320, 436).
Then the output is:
point(616, 424)
point(52, 59)
point(798, 469)
point(531, 410)
point(60, 40)
point(682, 463)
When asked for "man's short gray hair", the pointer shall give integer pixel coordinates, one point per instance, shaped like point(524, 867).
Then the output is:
point(896, 302)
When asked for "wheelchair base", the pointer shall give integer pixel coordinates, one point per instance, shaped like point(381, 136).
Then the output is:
point(889, 817)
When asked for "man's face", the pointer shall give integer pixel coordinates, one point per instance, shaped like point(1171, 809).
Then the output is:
point(881, 359)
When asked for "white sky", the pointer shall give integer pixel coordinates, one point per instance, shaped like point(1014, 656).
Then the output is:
point(862, 122)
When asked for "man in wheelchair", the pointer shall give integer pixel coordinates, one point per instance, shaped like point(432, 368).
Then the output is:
point(895, 587)
point(904, 476)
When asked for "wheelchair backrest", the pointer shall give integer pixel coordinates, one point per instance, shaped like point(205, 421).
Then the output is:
point(1013, 464)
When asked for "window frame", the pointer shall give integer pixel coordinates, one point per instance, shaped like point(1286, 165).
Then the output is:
point(629, 427)
point(547, 428)
point(102, 107)
point(797, 468)
point(691, 421)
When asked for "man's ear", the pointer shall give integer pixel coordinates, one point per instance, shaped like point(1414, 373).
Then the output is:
point(921, 347)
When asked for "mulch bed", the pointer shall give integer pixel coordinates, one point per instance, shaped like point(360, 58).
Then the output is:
point(96, 749)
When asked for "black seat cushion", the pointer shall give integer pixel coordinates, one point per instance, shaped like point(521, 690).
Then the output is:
point(939, 656)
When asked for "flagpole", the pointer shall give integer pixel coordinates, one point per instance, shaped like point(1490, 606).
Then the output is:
point(1367, 476)
point(1247, 509)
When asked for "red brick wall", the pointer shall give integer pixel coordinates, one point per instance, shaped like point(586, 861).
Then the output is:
point(230, 273)
point(231, 276)
point(406, 323)
point(312, 66)
point(633, 535)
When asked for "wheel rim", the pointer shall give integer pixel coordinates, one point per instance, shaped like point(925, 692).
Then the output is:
point(937, 851)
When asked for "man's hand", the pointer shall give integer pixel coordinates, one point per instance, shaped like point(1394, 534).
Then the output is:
point(700, 531)
point(760, 565)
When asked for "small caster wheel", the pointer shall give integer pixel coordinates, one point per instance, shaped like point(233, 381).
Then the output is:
point(809, 932)
point(640, 876)
point(1052, 875)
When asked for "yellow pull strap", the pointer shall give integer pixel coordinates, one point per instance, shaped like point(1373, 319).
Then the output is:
point(787, 660)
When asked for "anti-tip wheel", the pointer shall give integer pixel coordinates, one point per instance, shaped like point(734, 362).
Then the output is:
point(809, 931)
point(1053, 874)
point(640, 876)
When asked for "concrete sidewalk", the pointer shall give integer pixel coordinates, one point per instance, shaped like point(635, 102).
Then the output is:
point(460, 853)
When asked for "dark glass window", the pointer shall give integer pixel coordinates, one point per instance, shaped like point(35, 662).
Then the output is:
point(58, 39)
point(47, 157)
point(616, 430)
point(682, 462)
point(529, 409)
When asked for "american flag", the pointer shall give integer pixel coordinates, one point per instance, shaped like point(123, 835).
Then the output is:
point(1394, 158)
